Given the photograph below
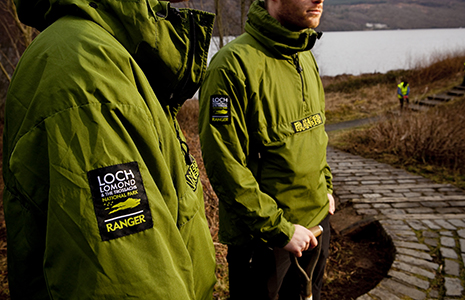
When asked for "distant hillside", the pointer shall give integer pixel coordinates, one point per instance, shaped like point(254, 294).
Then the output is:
point(343, 15)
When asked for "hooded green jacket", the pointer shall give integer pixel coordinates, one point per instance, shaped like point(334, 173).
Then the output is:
point(262, 117)
point(102, 198)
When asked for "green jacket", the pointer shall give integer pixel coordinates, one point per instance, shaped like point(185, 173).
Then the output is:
point(262, 116)
point(102, 199)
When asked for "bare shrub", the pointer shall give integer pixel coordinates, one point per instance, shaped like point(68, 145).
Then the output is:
point(436, 137)
point(437, 67)
point(14, 39)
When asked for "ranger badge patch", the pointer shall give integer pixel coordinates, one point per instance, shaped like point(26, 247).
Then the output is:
point(120, 201)
point(220, 110)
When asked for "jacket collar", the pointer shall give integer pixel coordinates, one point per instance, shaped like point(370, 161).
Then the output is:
point(263, 27)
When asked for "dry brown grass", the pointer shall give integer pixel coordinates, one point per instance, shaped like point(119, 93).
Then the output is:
point(437, 68)
point(436, 137)
point(363, 103)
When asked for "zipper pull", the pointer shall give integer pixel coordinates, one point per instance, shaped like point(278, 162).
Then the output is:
point(297, 63)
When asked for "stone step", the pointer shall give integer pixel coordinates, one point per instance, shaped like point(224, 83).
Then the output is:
point(430, 102)
point(441, 97)
point(456, 92)
point(418, 107)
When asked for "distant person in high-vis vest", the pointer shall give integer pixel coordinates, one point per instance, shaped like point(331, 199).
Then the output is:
point(403, 90)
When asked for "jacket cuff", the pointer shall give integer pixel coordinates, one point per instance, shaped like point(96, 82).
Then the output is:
point(284, 237)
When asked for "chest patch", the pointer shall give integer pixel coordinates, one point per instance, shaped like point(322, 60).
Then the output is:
point(120, 201)
point(220, 109)
point(307, 123)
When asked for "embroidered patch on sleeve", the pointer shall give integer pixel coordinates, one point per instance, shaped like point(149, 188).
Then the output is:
point(193, 175)
point(307, 123)
point(220, 110)
point(120, 201)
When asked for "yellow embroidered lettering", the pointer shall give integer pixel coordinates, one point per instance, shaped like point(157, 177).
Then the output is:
point(307, 123)
point(132, 193)
point(129, 222)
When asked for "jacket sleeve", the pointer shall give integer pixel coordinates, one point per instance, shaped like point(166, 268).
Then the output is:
point(226, 154)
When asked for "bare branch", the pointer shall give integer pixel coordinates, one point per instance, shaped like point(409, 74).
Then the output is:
point(219, 23)
point(5, 72)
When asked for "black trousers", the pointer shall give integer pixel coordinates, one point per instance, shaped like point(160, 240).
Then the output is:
point(260, 272)
point(402, 102)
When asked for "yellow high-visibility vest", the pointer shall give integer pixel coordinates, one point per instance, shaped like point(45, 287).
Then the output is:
point(403, 90)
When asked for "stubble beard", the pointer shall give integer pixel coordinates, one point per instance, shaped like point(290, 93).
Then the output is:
point(305, 21)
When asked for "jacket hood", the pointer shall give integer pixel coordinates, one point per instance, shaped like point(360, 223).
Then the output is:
point(170, 45)
point(270, 32)
point(126, 20)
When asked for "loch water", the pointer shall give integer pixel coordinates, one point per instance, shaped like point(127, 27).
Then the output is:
point(358, 52)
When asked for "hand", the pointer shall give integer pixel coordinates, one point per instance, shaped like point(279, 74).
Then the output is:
point(332, 204)
point(303, 239)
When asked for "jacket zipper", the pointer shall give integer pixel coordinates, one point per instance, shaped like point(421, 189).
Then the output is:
point(299, 70)
point(259, 168)
point(187, 77)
